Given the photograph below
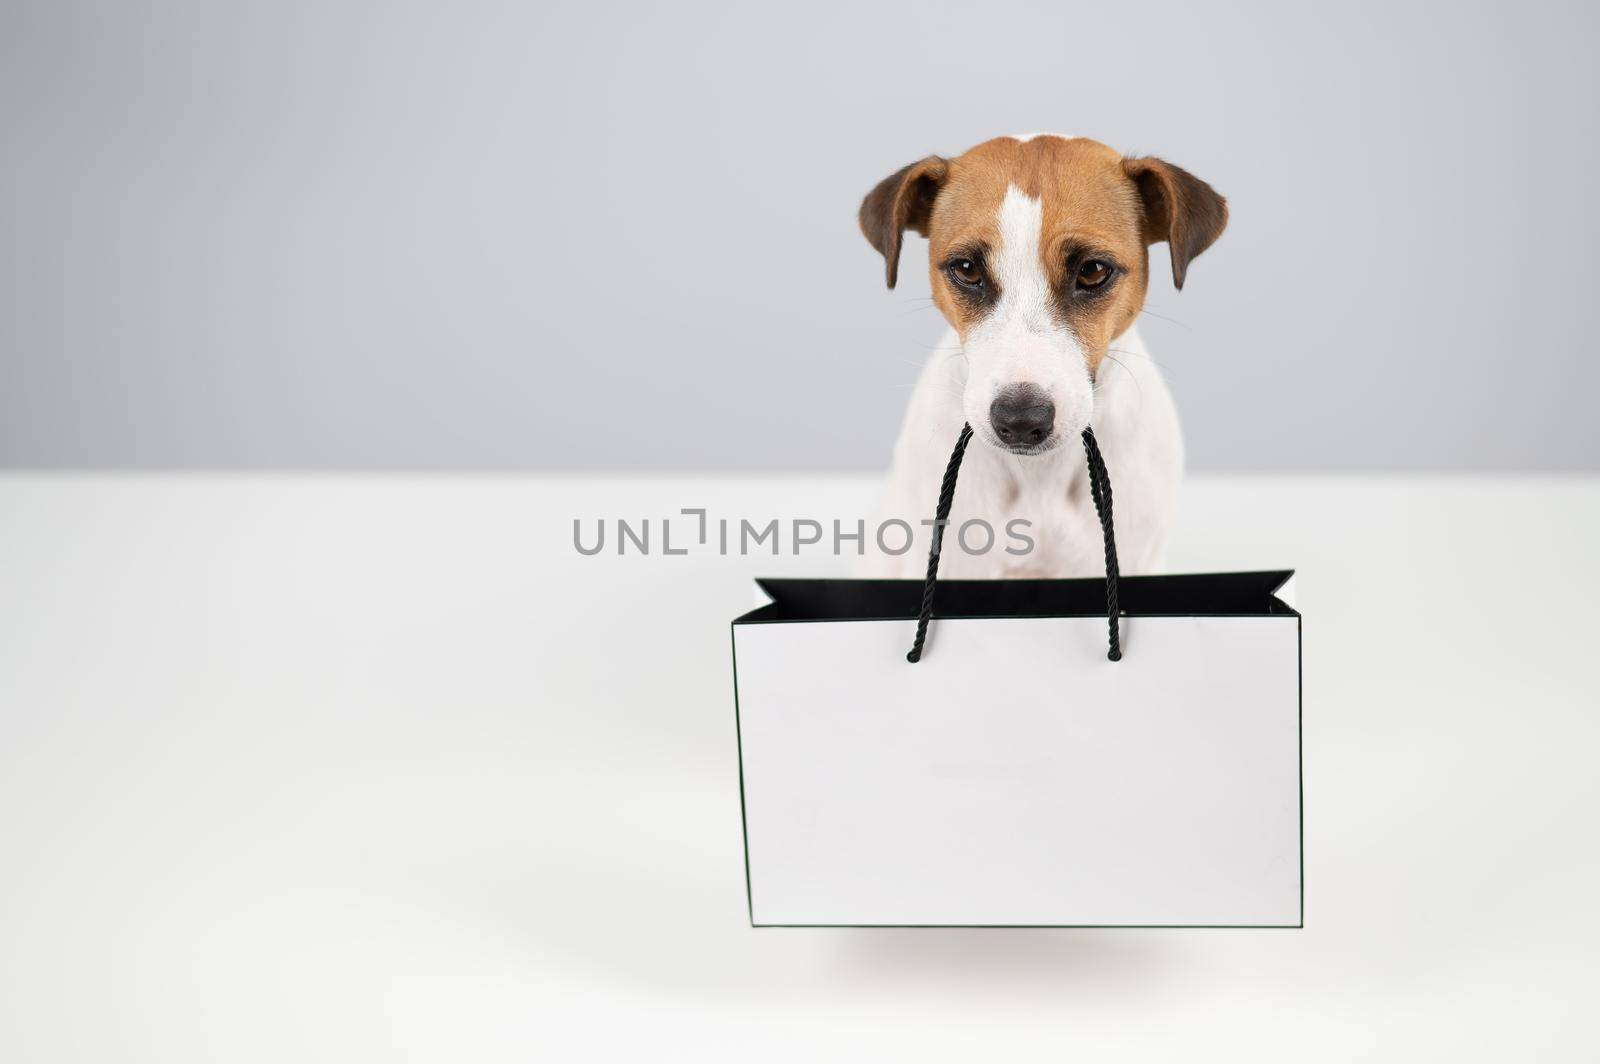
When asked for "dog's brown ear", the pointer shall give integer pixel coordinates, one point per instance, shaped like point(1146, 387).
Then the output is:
point(1179, 208)
point(901, 201)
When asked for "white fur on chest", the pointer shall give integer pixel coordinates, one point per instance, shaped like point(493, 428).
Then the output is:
point(1137, 427)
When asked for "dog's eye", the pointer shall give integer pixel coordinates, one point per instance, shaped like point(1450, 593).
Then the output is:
point(1093, 274)
point(966, 272)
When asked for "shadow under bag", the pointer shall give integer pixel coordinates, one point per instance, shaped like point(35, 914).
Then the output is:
point(1085, 753)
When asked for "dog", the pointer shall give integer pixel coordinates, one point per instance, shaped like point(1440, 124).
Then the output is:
point(1038, 259)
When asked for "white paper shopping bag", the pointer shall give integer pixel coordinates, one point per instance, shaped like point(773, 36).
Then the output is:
point(1015, 773)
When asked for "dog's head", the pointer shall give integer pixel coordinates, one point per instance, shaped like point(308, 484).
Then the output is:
point(1037, 255)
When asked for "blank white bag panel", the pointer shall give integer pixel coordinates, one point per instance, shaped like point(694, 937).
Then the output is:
point(1015, 777)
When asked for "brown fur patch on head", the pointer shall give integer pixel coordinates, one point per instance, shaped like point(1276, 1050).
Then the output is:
point(1090, 207)
point(1094, 203)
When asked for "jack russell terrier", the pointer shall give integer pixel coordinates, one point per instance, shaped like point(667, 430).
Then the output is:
point(1037, 254)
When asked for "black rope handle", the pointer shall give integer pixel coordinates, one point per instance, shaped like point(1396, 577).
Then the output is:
point(941, 515)
point(1099, 490)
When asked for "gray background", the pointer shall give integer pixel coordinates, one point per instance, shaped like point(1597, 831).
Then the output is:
point(586, 236)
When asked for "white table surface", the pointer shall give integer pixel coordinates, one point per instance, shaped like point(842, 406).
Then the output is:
point(378, 768)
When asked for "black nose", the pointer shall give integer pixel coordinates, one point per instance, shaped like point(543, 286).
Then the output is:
point(1023, 415)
